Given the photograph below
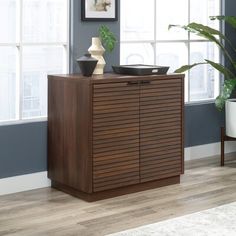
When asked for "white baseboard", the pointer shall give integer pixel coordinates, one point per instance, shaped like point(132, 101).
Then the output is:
point(207, 150)
point(24, 183)
point(39, 180)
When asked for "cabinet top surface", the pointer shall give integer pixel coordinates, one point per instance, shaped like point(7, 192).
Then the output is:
point(112, 77)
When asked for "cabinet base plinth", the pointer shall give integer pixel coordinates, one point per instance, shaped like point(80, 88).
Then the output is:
point(91, 197)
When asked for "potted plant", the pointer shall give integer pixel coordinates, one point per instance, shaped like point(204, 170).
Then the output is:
point(229, 74)
point(108, 40)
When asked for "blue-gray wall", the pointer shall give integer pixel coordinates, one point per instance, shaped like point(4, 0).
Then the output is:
point(229, 31)
point(82, 35)
point(202, 124)
point(23, 147)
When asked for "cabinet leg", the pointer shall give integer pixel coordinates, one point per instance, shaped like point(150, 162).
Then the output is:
point(222, 146)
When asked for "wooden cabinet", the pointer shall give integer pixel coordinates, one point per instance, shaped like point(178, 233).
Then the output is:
point(111, 134)
point(160, 129)
point(115, 135)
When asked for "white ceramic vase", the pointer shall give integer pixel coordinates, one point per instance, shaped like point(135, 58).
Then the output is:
point(230, 117)
point(97, 51)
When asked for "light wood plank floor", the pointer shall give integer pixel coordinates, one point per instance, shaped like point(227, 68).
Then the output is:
point(49, 212)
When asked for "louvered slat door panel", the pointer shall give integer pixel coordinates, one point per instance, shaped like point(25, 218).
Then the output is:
point(115, 135)
point(160, 129)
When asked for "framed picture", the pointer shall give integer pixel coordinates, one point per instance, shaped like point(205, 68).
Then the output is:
point(99, 10)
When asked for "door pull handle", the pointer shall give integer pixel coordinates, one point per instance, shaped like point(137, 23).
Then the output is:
point(145, 82)
point(133, 83)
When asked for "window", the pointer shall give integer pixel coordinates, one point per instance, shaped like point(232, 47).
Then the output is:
point(145, 39)
point(33, 44)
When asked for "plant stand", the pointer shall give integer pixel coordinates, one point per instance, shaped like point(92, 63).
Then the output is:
point(224, 138)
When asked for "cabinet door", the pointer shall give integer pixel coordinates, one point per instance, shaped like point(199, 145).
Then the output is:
point(161, 129)
point(115, 135)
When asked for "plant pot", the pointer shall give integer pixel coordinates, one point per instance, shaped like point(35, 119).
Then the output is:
point(87, 64)
point(230, 117)
point(97, 51)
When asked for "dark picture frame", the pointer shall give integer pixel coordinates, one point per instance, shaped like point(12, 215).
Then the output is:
point(101, 12)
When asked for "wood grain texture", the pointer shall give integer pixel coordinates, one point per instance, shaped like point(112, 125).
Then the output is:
point(69, 125)
point(224, 138)
point(161, 127)
point(114, 131)
point(55, 129)
point(54, 213)
point(110, 172)
point(182, 124)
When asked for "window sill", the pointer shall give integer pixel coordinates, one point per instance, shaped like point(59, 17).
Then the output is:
point(19, 122)
point(203, 102)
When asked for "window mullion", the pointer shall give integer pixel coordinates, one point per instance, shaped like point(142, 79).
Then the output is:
point(155, 33)
point(21, 87)
point(66, 61)
point(188, 45)
point(192, 45)
point(68, 44)
point(20, 49)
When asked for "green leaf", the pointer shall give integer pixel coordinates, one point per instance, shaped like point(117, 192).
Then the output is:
point(211, 31)
point(200, 27)
point(216, 37)
point(220, 103)
point(229, 86)
point(207, 33)
point(107, 37)
point(172, 26)
point(226, 72)
point(231, 20)
point(188, 67)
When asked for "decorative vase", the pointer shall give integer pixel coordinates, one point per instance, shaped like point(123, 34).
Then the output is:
point(87, 64)
point(230, 117)
point(97, 51)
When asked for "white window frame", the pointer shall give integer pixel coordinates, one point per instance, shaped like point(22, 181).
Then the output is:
point(187, 42)
point(19, 46)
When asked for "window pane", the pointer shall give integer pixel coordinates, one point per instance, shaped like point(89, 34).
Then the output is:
point(8, 21)
point(173, 55)
point(8, 84)
point(137, 20)
point(171, 12)
point(44, 21)
point(136, 53)
point(38, 62)
point(200, 10)
point(204, 80)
